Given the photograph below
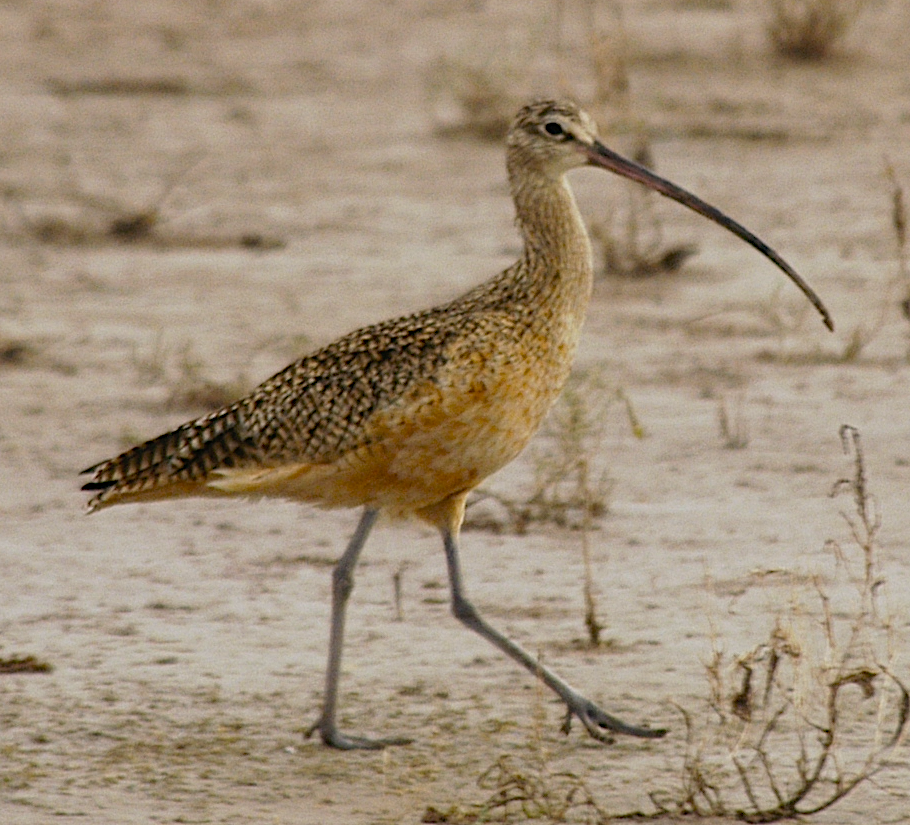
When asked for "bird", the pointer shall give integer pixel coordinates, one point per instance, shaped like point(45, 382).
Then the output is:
point(406, 417)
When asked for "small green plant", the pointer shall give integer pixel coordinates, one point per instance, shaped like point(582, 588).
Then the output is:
point(809, 29)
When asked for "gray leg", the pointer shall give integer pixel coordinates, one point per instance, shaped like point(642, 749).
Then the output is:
point(595, 720)
point(342, 585)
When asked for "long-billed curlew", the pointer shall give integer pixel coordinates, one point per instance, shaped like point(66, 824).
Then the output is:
point(409, 415)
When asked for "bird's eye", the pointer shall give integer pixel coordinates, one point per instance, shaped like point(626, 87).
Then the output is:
point(555, 129)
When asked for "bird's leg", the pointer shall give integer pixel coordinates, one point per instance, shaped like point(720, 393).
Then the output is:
point(595, 720)
point(342, 585)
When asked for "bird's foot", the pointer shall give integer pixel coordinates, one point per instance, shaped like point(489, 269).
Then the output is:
point(334, 738)
point(600, 724)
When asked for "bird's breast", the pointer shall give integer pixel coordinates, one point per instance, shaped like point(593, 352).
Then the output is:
point(475, 415)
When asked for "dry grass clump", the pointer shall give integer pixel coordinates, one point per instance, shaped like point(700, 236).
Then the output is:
point(182, 375)
point(471, 100)
point(631, 244)
point(24, 664)
point(581, 48)
point(522, 790)
point(784, 323)
point(571, 487)
point(630, 241)
point(474, 88)
point(93, 219)
point(96, 218)
point(809, 29)
point(526, 787)
point(899, 225)
point(899, 222)
point(815, 710)
point(733, 427)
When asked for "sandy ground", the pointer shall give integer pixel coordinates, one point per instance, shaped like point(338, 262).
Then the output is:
point(187, 639)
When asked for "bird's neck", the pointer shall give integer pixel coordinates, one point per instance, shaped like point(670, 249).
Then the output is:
point(557, 250)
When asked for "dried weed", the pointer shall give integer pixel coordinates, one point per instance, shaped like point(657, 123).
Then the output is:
point(526, 787)
point(92, 219)
point(182, 373)
point(809, 29)
point(734, 429)
point(787, 730)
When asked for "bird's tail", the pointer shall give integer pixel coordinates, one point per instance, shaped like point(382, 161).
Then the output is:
point(177, 462)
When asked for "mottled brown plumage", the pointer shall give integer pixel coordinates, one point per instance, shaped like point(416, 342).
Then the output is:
point(336, 427)
point(409, 415)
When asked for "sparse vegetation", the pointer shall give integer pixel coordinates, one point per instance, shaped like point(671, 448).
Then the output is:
point(181, 371)
point(328, 141)
point(786, 730)
point(17, 353)
point(526, 787)
point(571, 484)
point(630, 242)
point(24, 664)
point(107, 219)
point(568, 476)
point(899, 222)
point(635, 247)
point(734, 429)
point(809, 29)
point(397, 594)
point(91, 219)
point(476, 94)
point(469, 100)
point(785, 323)
point(592, 621)
point(899, 225)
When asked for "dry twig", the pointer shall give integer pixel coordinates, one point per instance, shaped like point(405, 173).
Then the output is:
point(788, 733)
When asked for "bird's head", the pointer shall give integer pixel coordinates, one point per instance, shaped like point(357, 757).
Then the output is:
point(550, 137)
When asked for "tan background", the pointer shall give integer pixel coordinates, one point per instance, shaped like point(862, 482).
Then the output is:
point(188, 639)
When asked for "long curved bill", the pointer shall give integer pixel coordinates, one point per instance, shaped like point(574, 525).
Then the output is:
point(600, 155)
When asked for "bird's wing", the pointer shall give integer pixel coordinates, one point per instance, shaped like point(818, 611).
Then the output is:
point(313, 411)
